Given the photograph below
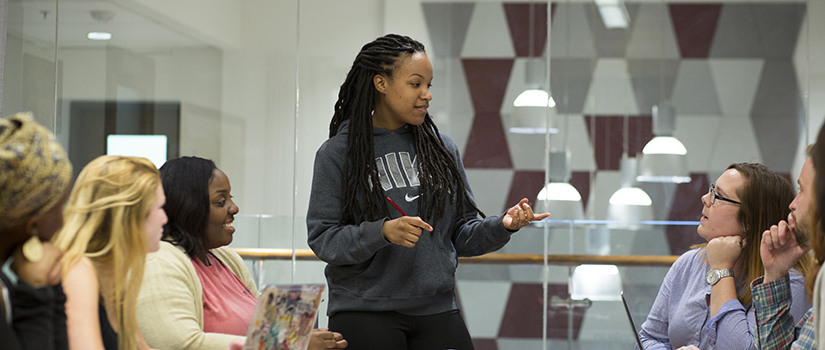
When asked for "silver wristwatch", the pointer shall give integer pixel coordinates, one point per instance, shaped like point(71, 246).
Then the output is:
point(714, 276)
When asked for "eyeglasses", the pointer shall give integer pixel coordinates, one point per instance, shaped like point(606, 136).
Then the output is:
point(714, 196)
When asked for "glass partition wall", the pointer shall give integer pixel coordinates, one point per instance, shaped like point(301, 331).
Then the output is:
point(251, 84)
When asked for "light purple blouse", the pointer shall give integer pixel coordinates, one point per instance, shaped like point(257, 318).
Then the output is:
point(680, 315)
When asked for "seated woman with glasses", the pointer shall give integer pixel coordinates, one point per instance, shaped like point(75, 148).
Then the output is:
point(698, 306)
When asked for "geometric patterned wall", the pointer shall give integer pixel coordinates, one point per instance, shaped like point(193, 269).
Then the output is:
point(728, 69)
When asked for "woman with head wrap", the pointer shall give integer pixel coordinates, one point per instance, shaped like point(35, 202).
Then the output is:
point(35, 177)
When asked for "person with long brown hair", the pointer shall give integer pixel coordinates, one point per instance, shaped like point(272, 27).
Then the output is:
point(704, 300)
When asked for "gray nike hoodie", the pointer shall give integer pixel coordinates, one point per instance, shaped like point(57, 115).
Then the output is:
point(364, 271)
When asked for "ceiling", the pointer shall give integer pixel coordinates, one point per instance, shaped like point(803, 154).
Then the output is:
point(132, 26)
point(137, 27)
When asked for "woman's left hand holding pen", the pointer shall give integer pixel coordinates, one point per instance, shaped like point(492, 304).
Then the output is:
point(404, 231)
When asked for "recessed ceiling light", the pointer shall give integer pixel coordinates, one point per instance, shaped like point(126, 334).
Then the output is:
point(99, 36)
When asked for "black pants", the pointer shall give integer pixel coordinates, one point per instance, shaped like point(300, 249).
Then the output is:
point(392, 330)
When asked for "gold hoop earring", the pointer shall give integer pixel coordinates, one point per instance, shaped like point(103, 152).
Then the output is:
point(33, 249)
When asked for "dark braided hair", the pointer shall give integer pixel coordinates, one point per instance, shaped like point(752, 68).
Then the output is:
point(438, 173)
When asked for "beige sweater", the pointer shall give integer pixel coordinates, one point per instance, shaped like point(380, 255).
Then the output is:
point(170, 304)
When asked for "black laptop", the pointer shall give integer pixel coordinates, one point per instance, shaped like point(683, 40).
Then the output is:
point(632, 325)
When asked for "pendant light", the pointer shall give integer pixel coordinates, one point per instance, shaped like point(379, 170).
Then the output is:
point(530, 106)
point(629, 204)
point(596, 282)
point(664, 158)
point(559, 196)
point(534, 95)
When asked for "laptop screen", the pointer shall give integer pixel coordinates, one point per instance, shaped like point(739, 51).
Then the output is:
point(632, 325)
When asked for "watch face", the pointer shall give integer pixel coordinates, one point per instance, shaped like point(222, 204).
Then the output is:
point(711, 277)
point(714, 276)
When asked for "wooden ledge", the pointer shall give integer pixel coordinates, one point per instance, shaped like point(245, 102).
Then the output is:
point(492, 258)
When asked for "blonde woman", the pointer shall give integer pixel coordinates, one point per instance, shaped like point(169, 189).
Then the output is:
point(113, 218)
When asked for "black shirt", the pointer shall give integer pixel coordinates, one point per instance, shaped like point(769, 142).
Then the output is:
point(106, 331)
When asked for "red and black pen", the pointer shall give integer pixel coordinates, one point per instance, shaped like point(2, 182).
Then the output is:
point(396, 206)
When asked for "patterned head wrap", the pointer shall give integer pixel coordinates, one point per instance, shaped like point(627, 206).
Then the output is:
point(34, 169)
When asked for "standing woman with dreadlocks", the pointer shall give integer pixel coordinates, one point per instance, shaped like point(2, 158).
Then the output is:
point(391, 210)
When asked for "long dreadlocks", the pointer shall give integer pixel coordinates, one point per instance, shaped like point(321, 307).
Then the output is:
point(438, 173)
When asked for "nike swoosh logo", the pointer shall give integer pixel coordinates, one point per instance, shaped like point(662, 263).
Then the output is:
point(410, 199)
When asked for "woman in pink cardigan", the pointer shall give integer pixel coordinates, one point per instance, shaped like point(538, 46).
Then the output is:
point(197, 293)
